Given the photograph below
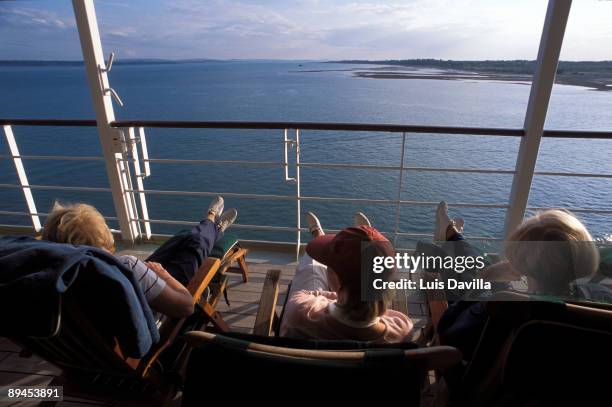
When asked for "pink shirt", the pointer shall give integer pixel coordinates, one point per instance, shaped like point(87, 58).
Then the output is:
point(307, 315)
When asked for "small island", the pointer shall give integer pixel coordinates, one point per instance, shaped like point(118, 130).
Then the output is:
point(595, 75)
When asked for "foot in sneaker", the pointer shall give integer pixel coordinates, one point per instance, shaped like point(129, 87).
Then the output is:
point(226, 219)
point(314, 224)
point(361, 220)
point(215, 209)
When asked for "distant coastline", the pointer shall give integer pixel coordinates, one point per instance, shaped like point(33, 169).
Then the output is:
point(596, 75)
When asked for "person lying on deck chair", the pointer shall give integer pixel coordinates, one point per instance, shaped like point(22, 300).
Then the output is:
point(552, 249)
point(165, 274)
point(325, 301)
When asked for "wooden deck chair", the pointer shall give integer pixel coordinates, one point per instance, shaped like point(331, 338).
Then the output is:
point(304, 365)
point(93, 368)
point(330, 372)
point(509, 312)
point(551, 363)
point(233, 260)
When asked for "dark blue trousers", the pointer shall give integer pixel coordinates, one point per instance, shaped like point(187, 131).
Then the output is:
point(183, 254)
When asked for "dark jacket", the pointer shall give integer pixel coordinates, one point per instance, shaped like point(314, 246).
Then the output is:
point(35, 274)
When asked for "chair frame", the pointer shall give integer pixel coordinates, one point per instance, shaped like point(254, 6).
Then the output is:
point(68, 351)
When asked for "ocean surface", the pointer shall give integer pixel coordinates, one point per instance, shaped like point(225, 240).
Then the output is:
point(307, 91)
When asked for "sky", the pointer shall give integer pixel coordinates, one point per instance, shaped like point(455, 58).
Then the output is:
point(305, 29)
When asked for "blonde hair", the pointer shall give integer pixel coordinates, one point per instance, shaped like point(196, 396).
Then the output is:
point(357, 309)
point(560, 250)
point(78, 224)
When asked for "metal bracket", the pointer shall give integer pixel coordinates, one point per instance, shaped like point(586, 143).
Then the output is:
point(118, 142)
point(287, 142)
point(108, 90)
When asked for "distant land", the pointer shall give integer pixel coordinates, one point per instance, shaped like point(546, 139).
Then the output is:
point(596, 75)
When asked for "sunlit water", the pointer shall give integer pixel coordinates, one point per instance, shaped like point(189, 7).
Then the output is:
point(266, 91)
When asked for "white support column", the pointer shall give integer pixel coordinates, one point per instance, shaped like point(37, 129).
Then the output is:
point(23, 179)
point(298, 194)
point(139, 179)
point(541, 87)
point(110, 138)
point(399, 191)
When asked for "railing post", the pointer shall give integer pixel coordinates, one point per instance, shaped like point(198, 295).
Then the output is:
point(23, 178)
point(399, 191)
point(298, 193)
point(110, 138)
point(541, 87)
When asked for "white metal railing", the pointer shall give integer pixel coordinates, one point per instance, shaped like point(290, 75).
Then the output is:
point(133, 159)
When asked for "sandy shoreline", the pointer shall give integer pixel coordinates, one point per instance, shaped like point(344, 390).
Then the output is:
point(587, 81)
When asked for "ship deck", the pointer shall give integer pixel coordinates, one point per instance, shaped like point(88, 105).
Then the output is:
point(240, 316)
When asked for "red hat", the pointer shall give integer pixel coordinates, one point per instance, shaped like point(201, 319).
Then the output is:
point(346, 251)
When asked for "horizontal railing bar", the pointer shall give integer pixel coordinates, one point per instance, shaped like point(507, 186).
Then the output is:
point(54, 157)
point(313, 165)
point(11, 213)
point(224, 194)
point(213, 162)
point(49, 122)
point(397, 168)
point(401, 202)
point(430, 236)
point(234, 225)
point(576, 210)
point(571, 174)
point(56, 187)
point(393, 128)
point(315, 198)
point(294, 229)
point(579, 134)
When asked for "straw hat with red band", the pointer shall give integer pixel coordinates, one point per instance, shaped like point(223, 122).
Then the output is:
point(345, 251)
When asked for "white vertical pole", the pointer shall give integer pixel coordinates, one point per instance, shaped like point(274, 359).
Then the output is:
point(139, 180)
point(399, 190)
point(23, 179)
point(110, 138)
point(298, 193)
point(145, 151)
point(541, 87)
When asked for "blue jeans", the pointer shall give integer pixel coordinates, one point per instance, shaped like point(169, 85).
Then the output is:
point(183, 254)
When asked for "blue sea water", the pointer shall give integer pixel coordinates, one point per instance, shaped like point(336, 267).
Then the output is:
point(283, 91)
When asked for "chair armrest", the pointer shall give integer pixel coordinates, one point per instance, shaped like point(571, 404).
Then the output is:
point(171, 327)
point(266, 313)
point(203, 277)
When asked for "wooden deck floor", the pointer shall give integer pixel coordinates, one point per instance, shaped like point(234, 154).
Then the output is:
point(240, 315)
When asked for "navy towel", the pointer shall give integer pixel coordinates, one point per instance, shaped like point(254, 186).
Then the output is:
point(34, 274)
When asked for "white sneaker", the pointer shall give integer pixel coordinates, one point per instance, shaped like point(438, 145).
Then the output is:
point(361, 220)
point(226, 219)
point(314, 223)
point(442, 222)
point(216, 207)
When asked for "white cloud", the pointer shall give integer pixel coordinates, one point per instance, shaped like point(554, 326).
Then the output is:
point(325, 29)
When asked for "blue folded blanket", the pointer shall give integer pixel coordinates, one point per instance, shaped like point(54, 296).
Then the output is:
point(34, 275)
